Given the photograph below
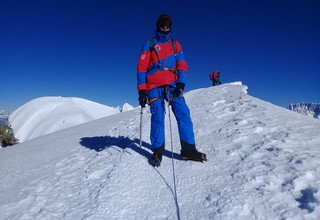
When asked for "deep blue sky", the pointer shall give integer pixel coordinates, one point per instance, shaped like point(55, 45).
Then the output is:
point(90, 48)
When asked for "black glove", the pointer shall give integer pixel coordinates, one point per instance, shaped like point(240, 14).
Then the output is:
point(143, 100)
point(178, 90)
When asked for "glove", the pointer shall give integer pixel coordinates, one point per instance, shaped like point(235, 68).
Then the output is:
point(143, 100)
point(178, 90)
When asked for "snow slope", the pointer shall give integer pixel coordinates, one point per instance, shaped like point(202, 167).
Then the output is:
point(49, 114)
point(263, 163)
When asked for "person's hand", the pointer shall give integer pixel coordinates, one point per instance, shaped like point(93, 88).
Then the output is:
point(178, 90)
point(143, 100)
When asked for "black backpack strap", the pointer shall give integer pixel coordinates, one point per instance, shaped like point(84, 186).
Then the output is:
point(152, 47)
point(151, 44)
point(174, 45)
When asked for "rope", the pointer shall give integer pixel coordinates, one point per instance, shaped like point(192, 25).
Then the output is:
point(141, 113)
point(173, 171)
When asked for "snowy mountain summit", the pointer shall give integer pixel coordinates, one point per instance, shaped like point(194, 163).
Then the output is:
point(263, 163)
point(312, 109)
point(46, 115)
point(126, 107)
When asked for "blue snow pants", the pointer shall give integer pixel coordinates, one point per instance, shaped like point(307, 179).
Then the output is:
point(181, 112)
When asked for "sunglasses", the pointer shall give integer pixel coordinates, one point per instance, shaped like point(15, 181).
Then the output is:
point(165, 28)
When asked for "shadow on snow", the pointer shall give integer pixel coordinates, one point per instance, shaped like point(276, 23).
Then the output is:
point(100, 143)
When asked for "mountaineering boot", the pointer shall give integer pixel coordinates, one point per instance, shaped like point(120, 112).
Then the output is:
point(189, 152)
point(157, 156)
point(193, 155)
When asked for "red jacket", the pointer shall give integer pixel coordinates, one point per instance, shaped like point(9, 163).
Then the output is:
point(154, 69)
point(214, 75)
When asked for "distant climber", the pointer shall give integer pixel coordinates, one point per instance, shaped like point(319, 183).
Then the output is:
point(215, 78)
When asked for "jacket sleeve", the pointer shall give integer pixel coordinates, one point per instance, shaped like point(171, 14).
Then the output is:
point(181, 64)
point(142, 67)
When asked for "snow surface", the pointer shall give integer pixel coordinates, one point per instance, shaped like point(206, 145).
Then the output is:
point(263, 163)
point(45, 115)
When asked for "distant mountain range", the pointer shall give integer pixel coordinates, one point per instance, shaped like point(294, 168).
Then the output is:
point(311, 109)
point(3, 116)
point(4, 113)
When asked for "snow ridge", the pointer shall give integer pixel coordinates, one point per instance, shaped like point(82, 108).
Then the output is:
point(263, 163)
point(45, 115)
